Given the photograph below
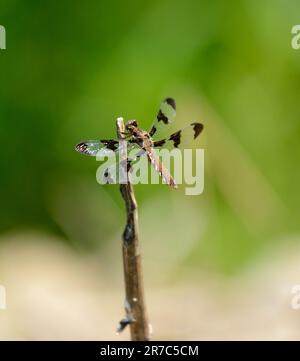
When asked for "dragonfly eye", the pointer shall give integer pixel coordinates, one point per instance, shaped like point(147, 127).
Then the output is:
point(132, 123)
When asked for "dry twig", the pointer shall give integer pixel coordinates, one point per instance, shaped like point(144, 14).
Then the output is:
point(136, 315)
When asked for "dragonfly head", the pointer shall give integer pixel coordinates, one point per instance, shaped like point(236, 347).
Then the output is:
point(131, 125)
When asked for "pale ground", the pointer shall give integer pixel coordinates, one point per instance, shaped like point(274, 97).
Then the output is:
point(55, 294)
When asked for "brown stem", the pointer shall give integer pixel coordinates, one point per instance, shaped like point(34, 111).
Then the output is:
point(133, 276)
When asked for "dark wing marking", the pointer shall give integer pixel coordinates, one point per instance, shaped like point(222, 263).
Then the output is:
point(97, 147)
point(159, 143)
point(181, 138)
point(165, 116)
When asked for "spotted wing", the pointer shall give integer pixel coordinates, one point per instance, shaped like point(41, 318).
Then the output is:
point(97, 147)
point(181, 138)
point(165, 116)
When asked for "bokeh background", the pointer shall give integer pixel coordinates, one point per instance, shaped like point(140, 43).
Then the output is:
point(217, 266)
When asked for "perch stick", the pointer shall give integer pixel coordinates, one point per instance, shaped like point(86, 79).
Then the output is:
point(131, 249)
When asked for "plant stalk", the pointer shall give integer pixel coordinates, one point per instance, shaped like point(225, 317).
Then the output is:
point(133, 276)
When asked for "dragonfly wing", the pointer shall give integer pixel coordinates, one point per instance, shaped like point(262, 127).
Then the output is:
point(181, 138)
point(97, 147)
point(165, 116)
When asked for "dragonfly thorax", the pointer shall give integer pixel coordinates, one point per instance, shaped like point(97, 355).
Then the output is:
point(140, 136)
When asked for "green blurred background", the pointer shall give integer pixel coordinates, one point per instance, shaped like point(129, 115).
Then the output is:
point(72, 67)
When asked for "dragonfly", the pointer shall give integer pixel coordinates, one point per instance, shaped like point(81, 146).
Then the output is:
point(145, 142)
